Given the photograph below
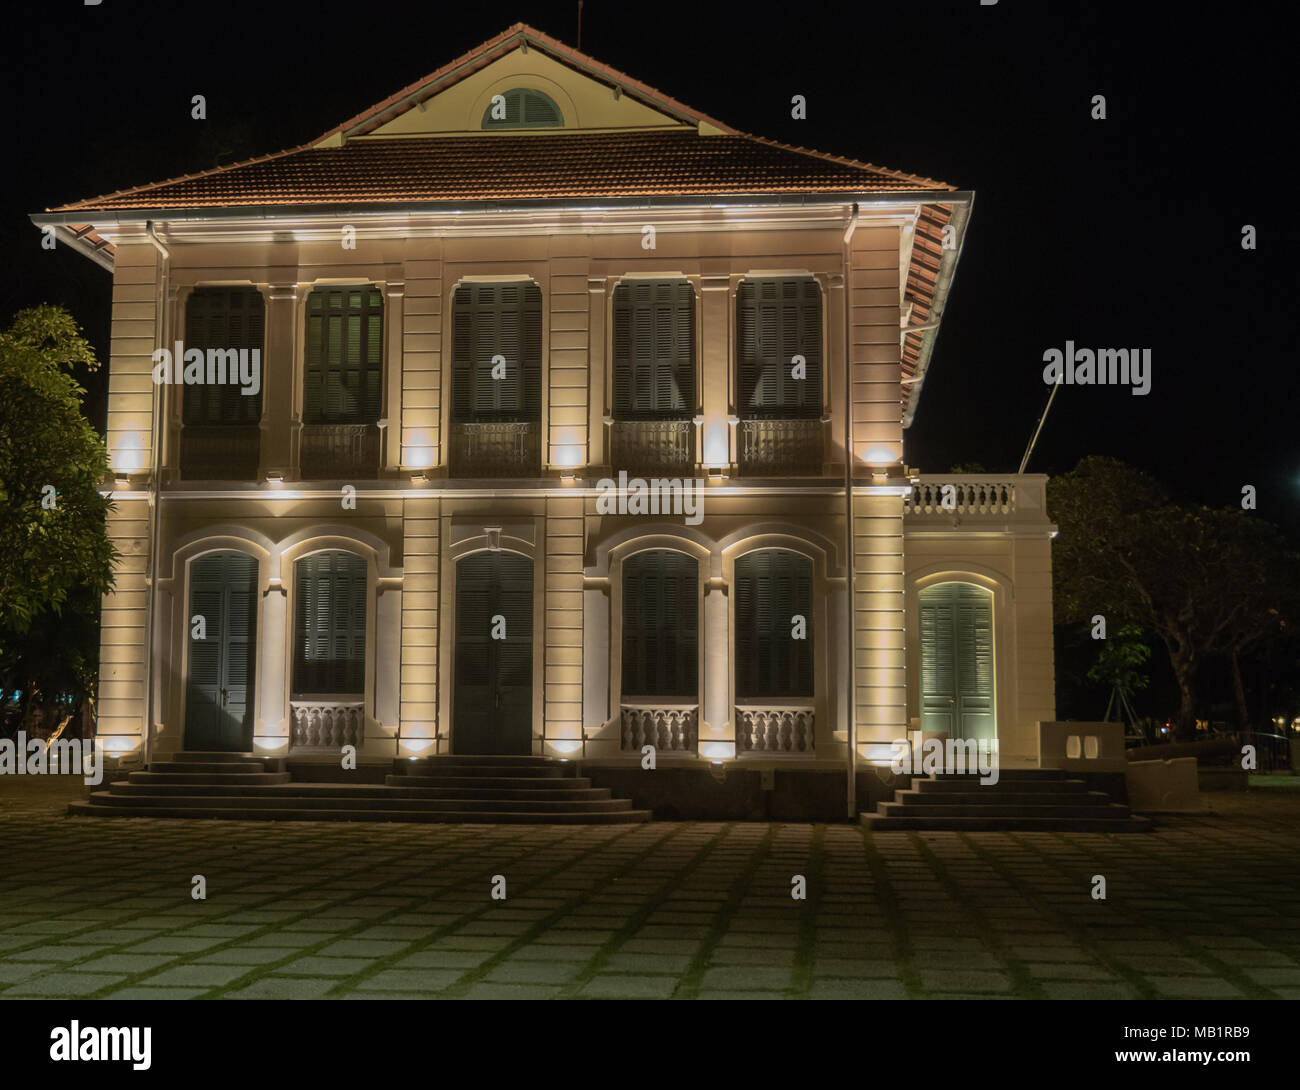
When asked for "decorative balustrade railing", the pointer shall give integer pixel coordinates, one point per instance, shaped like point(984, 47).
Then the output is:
point(962, 496)
point(653, 447)
point(219, 452)
point(330, 452)
point(496, 449)
point(326, 724)
point(775, 729)
point(665, 726)
point(782, 448)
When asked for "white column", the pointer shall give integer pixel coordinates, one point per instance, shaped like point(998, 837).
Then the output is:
point(715, 717)
point(388, 658)
point(595, 656)
point(271, 677)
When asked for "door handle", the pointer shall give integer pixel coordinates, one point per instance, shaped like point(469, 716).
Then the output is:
point(223, 698)
point(497, 700)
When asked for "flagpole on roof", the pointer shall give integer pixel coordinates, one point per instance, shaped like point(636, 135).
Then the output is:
point(1029, 450)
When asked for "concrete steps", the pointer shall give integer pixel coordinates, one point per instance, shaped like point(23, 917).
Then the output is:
point(1021, 801)
point(518, 790)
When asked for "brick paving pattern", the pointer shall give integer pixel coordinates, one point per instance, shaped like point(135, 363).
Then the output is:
point(1206, 907)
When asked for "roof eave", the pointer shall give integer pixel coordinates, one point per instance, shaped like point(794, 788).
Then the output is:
point(963, 202)
point(58, 217)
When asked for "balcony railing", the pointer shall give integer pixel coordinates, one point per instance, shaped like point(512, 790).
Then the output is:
point(333, 452)
point(326, 723)
point(653, 448)
point(775, 729)
point(782, 448)
point(974, 498)
point(667, 727)
point(496, 449)
point(219, 452)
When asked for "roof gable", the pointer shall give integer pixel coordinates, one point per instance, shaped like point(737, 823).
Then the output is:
point(452, 100)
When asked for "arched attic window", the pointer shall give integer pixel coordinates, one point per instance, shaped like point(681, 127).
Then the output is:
point(523, 108)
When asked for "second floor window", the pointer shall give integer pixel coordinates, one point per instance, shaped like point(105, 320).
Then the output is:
point(344, 376)
point(224, 320)
point(497, 352)
point(654, 350)
point(779, 321)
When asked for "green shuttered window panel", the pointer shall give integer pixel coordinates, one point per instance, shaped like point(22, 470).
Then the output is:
point(525, 108)
point(345, 356)
point(772, 587)
point(492, 319)
point(661, 623)
point(775, 321)
point(654, 350)
point(223, 319)
point(330, 624)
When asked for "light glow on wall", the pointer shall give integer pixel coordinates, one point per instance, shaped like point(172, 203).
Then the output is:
point(717, 447)
point(418, 457)
point(415, 746)
point(566, 746)
point(880, 455)
point(129, 457)
point(718, 751)
point(566, 455)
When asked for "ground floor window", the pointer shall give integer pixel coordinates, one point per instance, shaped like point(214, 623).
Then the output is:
point(661, 622)
point(330, 624)
point(773, 618)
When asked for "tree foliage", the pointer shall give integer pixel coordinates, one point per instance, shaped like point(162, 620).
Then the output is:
point(1204, 581)
point(54, 546)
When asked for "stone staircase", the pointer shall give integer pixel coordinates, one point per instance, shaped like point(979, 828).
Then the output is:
point(483, 790)
point(1037, 800)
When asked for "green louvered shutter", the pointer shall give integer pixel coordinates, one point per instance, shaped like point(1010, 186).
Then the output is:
point(957, 691)
point(343, 383)
point(492, 319)
point(525, 109)
point(654, 350)
point(219, 704)
point(661, 625)
point(773, 586)
point(330, 624)
point(777, 320)
point(224, 319)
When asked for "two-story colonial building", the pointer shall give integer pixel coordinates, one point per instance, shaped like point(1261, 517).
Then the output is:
point(579, 426)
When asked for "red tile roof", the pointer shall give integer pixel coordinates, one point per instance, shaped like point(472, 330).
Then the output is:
point(501, 167)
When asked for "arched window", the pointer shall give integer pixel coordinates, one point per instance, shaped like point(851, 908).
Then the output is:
point(661, 624)
point(774, 625)
point(330, 624)
point(522, 108)
point(957, 665)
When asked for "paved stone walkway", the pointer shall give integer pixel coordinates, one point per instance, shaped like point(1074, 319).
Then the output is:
point(1207, 907)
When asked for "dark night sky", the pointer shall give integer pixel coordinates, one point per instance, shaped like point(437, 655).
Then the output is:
point(1124, 232)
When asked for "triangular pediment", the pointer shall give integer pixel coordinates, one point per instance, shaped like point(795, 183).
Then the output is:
point(578, 93)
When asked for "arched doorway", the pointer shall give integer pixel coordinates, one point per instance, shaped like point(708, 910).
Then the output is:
point(957, 661)
point(222, 624)
point(493, 695)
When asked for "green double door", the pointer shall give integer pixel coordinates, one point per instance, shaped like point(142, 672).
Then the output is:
point(957, 668)
point(493, 698)
point(222, 634)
